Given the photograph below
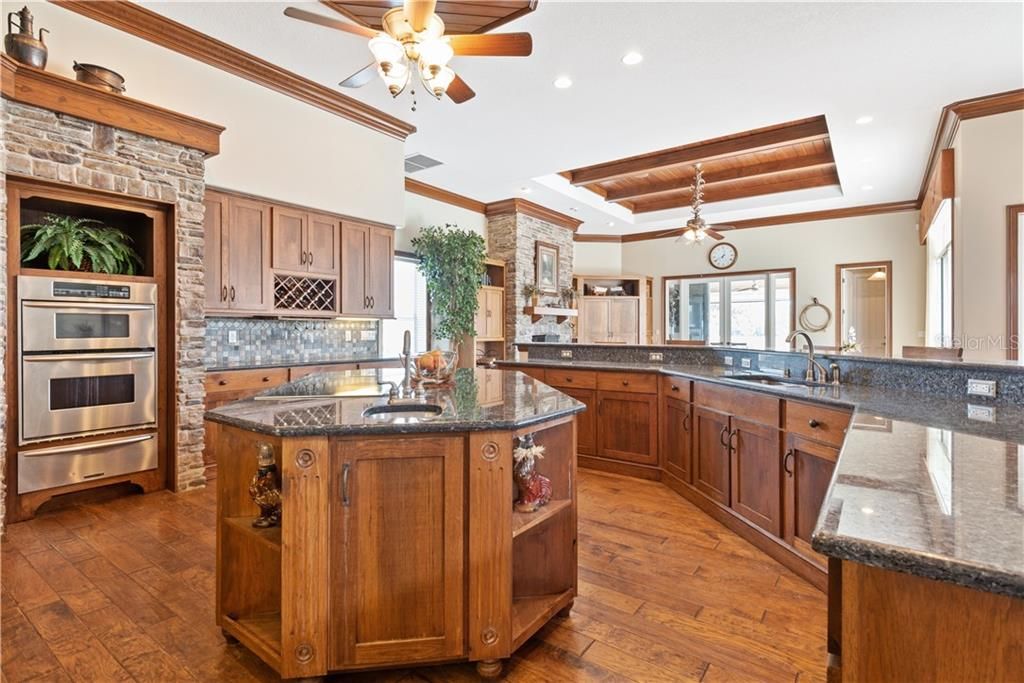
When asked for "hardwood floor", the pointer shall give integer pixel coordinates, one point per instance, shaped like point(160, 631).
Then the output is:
point(123, 590)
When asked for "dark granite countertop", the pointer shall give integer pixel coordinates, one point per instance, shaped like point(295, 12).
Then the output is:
point(244, 365)
point(927, 485)
point(332, 404)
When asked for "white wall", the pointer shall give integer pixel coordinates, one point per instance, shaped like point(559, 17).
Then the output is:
point(989, 175)
point(814, 249)
point(598, 258)
point(274, 146)
point(422, 211)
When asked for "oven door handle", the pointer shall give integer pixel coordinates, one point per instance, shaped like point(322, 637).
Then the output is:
point(87, 304)
point(97, 357)
point(90, 446)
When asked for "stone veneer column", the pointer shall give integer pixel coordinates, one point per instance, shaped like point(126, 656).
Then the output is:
point(513, 230)
point(38, 143)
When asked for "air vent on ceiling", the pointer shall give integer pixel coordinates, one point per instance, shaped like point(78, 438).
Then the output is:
point(418, 162)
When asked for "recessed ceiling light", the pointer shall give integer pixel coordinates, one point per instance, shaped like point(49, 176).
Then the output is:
point(631, 58)
point(563, 82)
point(611, 224)
point(867, 511)
point(864, 120)
point(867, 188)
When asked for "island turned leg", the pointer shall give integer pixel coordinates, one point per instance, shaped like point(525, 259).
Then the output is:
point(489, 668)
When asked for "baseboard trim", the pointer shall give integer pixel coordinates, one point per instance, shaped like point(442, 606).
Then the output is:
point(594, 462)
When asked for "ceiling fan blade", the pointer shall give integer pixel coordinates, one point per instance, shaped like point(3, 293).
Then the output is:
point(492, 45)
point(714, 234)
point(361, 77)
point(721, 228)
point(314, 18)
point(459, 91)
point(418, 13)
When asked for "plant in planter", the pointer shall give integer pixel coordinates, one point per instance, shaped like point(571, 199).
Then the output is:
point(568, 297)
point(79, 244)
point(452, 261)
point(531, 292)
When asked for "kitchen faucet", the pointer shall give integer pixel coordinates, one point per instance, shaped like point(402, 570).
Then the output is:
point(815, 370)
point(407, 363)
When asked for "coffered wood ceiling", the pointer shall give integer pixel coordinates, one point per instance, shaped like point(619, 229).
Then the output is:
point(459, 16)
point(790, 156)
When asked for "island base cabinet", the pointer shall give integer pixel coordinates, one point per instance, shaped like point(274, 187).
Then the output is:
point(397, 581)
point(711, 462)
point(676, 441)
point(755, 474)
point(627, 426)
point(807, 469)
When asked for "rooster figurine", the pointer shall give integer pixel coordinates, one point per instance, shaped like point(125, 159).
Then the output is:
point(534, 488)
point(264, 489)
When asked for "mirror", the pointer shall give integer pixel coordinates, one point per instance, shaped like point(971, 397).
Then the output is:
point(864, 318)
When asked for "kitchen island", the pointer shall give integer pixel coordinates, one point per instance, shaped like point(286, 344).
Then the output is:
point(398, 542)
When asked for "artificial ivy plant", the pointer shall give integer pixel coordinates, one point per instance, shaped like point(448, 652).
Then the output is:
point(79, 244)
point(452, 261)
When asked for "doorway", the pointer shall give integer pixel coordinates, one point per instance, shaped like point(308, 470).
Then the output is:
point(1014, 280)
point(864, 321)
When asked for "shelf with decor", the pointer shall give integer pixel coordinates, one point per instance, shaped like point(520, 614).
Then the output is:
point(558, 313)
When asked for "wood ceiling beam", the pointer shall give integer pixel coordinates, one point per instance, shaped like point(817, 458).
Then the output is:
point(734, 190)
point(766, 168)
point(794, 132)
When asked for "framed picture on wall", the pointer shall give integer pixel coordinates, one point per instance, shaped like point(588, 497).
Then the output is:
point(546, 262)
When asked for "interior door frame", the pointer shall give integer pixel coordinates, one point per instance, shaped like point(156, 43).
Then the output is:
point(1013, 278)
point(888, 300)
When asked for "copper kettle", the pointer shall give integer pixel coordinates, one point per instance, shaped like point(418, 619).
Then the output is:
point(22, 46)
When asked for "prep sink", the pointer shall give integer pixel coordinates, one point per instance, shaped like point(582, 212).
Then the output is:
point(404, 410)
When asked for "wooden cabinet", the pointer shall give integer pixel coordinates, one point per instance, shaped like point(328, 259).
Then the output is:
point(676, 446)
point(754, 449)
point(237, 254)
point(367, 264)
point(808, 468)
point(586, 422)
point(490, 314)
point(627, 426)
point(711, 461)
point(609, 320)
point(304, 242)
point(399, 505)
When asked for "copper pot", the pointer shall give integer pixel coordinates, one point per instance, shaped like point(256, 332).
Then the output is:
point(101, 77)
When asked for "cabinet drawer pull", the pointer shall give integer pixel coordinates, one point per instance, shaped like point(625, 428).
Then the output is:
point(344, 483)
point(222, 383)
point(675, 387)
point(568, 380)
point(785, 462)
point(266, 379)
point(721, 437)
point(813, 424)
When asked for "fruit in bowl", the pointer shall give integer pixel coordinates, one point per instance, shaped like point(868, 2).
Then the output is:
point(435, 367)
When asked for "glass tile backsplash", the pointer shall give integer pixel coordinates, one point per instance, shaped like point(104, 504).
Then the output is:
point(241, 342)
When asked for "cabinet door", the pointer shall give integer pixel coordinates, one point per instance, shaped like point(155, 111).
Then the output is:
point(495, 316)
point(248, 255)
point(624, 321)
point(288, 236)
point(322, 248)
point(711, 454)
point(677, 438)
point(586, 422)
point(380, 266)
point(808, 470)
point(594, 321)
point(214, 225)
point(355, 238)
point(480, 319)
point(397, 557)
point(756, 486)
point(627, 426)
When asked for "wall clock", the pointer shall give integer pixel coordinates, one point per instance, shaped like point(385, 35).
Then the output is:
point(722, 256)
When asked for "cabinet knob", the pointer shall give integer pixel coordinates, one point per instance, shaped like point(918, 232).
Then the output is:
point(625, 382)
point(568, 380)
point(675, 388)
point(813, 424)
point(266, 379)
point(222, 383)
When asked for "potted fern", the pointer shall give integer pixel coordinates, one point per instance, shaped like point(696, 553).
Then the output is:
point(452, 262)
point(79, 244)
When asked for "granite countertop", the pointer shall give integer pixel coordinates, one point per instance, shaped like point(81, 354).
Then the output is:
point(266, 365)
point(332, 404)
point(926, 485)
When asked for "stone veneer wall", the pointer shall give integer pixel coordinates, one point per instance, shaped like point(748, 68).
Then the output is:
point(512, 238)
point(39, 143)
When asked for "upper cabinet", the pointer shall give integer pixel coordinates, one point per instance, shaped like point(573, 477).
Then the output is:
point(367, 262)
point(264, 258)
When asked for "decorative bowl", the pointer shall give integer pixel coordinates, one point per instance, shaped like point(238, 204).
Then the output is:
point(435, 367)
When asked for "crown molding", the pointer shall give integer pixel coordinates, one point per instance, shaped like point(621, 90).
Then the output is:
point(949, 122)
point(614, 239)
point(442, 195)
point(158, 29)
point(516, 205)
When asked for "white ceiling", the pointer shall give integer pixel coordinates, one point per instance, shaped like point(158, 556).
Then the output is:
point(709, 69)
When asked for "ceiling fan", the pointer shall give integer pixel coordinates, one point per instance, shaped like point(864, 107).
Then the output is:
point(696, 229)
point(413, 39)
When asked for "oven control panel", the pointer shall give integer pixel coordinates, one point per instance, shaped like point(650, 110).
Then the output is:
point(91, 290)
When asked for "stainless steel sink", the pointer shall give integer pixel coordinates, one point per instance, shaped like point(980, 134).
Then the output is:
point(395, 411)
point(773, 381)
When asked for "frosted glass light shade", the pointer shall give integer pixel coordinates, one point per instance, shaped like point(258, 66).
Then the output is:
point(386, 51)
point(434, 56)
point(439, 83)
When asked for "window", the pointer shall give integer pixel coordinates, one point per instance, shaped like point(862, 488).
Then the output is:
point(754, 310)
point(410, 310)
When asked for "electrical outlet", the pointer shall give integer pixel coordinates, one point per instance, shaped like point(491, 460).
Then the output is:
point(565, 353)
point(745, 362)
point(728, 360)
point(232, 336)
point(657, 356)
point(981, 387)
point(981, 413)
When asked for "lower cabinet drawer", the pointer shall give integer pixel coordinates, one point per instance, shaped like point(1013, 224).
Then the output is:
point(817, 422)
point(748, 404)
point(233, 380)
point(47, 468)
point(631, 382)
point(579, 379)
